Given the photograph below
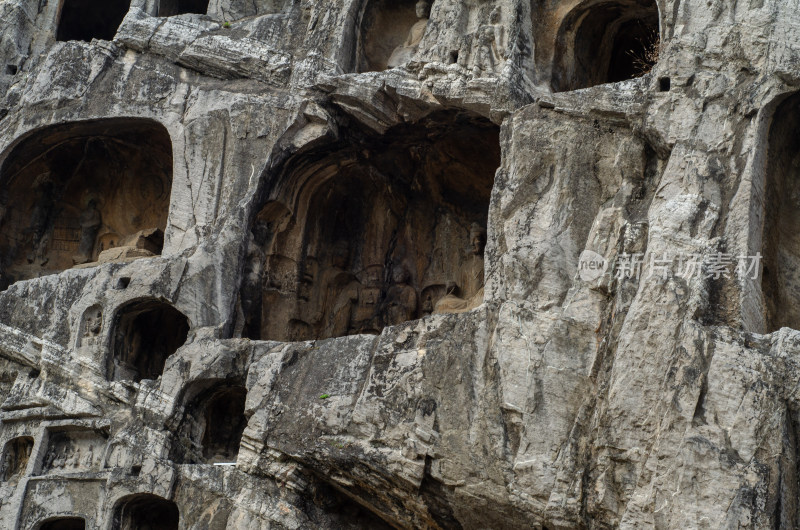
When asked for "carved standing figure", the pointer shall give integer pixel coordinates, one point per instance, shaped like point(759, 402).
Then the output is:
point(405, 52)
point(90, 222)
point(337, 294)
point(253, 279)
point(401, 299)
point(465, 291)
point(490, 50)
point(41, 216)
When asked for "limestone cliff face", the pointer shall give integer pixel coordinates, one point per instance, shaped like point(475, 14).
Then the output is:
point(543, 274)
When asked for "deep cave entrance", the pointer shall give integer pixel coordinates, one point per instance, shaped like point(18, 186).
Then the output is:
point(83, 192)
point(146, 511)
point(168, 8)
point(373, 230)
point(606, 43)
point(16, 454)
point(212, 425)
point(64, 523)
point(389, 33)
point(781, 235)
point(145, 334)
point(91, 19)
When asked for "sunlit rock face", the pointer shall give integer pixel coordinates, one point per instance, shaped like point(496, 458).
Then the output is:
point(370, 264)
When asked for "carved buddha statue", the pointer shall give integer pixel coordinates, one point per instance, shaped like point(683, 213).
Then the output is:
point(403, 53)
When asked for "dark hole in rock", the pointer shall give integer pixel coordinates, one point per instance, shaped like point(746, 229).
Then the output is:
point(145, 334)
point(780, 279)
point(11, 69)
point(664, 84)
point(168, 8)
point(91, 19)
point(211, 428)
point(145, 511)
point(122, 283)
point(64, 523)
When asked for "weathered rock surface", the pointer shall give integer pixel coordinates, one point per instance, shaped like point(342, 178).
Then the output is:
point(652, 400)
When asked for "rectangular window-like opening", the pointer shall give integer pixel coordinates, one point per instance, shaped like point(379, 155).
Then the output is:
point(91, 19)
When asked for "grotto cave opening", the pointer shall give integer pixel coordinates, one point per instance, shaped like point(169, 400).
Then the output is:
point(213, 421)
point(168, 8)
point(606, 42)
point(88, 19)
point(144, 335)
point(373, 230)
point(781, 225)
point(139, 511)
point(80, 193)
point(16, 454)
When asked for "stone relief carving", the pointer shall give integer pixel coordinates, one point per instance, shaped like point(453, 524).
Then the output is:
point(489, 51)
point(16, 454)
point(91, 326)
point(405, 52)
point(101, 193)
point(90, 222)
point(380, 243)
point(41, 215)
point(74, 450)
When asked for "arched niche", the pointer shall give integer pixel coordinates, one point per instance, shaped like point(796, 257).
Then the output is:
point(16, 454)
point(389, 33)
point(63, 523)
point(213, 421)
point(606, 42)
point(83, 192)
point(144, 334)
point(781, 233)
point(89, 19)
point(370, 230)
point(144, 510)
point(168, 8)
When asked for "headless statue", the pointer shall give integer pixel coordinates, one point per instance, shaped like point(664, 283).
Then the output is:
point(38, 235)
point(405, 52)
point(90, 222)
point(465, 291)
point(338, 295)
point(490, 51)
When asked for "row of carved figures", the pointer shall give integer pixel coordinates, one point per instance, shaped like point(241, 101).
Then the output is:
point(486, 47)
point(334, 302)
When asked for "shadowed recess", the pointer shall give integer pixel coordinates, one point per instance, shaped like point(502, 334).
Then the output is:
point(144, 335)
point(212, 424)
point(16, 454)
point(145, 511)
point(64, 523)
point(373, 230)
point(781, 238)
point(168, 8)
point(91, 19)
point(606, 42)
point(83, 192)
